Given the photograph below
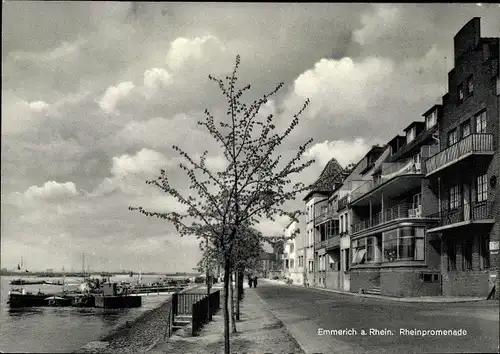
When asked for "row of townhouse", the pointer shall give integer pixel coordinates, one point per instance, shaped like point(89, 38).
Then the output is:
point(418, 216)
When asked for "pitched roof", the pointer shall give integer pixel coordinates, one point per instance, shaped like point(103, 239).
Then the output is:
point(332, 174)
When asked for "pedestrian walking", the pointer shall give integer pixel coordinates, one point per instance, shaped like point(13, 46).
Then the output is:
point(250, 281)
point(255, 282)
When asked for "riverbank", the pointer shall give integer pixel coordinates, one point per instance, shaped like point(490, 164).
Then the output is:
point(135, 336)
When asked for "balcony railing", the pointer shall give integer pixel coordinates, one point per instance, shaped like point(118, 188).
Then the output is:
point(324, 216)
point(465, 212)
point(400, 211)
point(343, 202)
point(329, 242)
point(474, 143)
point(389, 170)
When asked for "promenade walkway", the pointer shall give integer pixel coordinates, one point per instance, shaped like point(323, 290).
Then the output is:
point(259, 331)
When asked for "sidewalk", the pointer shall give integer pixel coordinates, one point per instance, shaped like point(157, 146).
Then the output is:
point(435, 299)
point(259, 331)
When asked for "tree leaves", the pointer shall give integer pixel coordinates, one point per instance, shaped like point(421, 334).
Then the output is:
point(224, 206)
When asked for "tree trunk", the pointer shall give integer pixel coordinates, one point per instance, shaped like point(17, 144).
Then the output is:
point(208, 293)
point(238, 295)
point(233, 318)
point(227, 270)
point(241, 277)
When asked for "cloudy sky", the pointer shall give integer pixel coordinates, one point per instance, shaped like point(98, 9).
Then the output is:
point(95, 94)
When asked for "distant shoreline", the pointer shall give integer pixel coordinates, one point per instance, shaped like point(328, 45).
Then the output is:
point(80, 274)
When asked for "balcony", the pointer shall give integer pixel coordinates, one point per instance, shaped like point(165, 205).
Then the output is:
point(400, 175)
point(401, 211)
point(343, 203)
point(329, 243)
point(466, 214)
point(321, 218)
point(474, 144)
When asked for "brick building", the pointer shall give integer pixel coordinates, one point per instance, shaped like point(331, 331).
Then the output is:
point(463, 174)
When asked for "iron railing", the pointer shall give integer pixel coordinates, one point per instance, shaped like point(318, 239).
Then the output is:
point(343, 203)
point(471, 143)
point(329, 242)
point(182, 304)
point(169, 323)
point(325, 216)
point(203, 310)
point(400, 211)
point(465, 212)
point(200, 306)
point(389, 171)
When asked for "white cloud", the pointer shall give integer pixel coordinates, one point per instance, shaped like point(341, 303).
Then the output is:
point(144, 162)
point(377, 24)
point(341, 86)
point(214, 163)
point(113, 95)
point(18, 115)
point(183, 50)
point(271, 228)
point(64, 50)
point(164, 203)
point(158, 132)
point(156, 78)
point(52, 190)
point(39, 106)
point(344, 152)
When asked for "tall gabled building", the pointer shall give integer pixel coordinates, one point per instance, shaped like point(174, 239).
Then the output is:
point(465, 171)
point(315, 200)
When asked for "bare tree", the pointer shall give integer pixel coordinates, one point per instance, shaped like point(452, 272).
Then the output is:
point(256, 183)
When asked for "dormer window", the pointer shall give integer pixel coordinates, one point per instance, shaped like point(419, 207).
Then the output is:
point(431, 120)
point(470, 86)
point(410, 135)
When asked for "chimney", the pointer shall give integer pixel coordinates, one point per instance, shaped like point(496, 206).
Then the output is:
point(467, 38)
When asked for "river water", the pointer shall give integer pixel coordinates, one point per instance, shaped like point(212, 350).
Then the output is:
point(62, 329)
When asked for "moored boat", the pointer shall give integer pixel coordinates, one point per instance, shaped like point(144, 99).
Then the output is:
point(26, 282)
point(26, 299)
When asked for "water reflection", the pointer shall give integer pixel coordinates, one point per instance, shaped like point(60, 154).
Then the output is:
point(33, 329)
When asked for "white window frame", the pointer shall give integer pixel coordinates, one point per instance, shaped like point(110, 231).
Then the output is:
point(482, 188)
point(454, 197)
point(463, 125)
point(481, 123)
point(452, 137)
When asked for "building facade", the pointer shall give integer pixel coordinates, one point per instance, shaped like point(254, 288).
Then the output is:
point(419, 216)
point(351, 181)
point(317, 202)
point(292, 268)
point(314, 200)
point(327, 243)
point(464, 172)
point(427, 223)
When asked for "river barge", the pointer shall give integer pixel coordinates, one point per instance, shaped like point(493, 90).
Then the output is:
point(20, 298)
point(107, 295)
